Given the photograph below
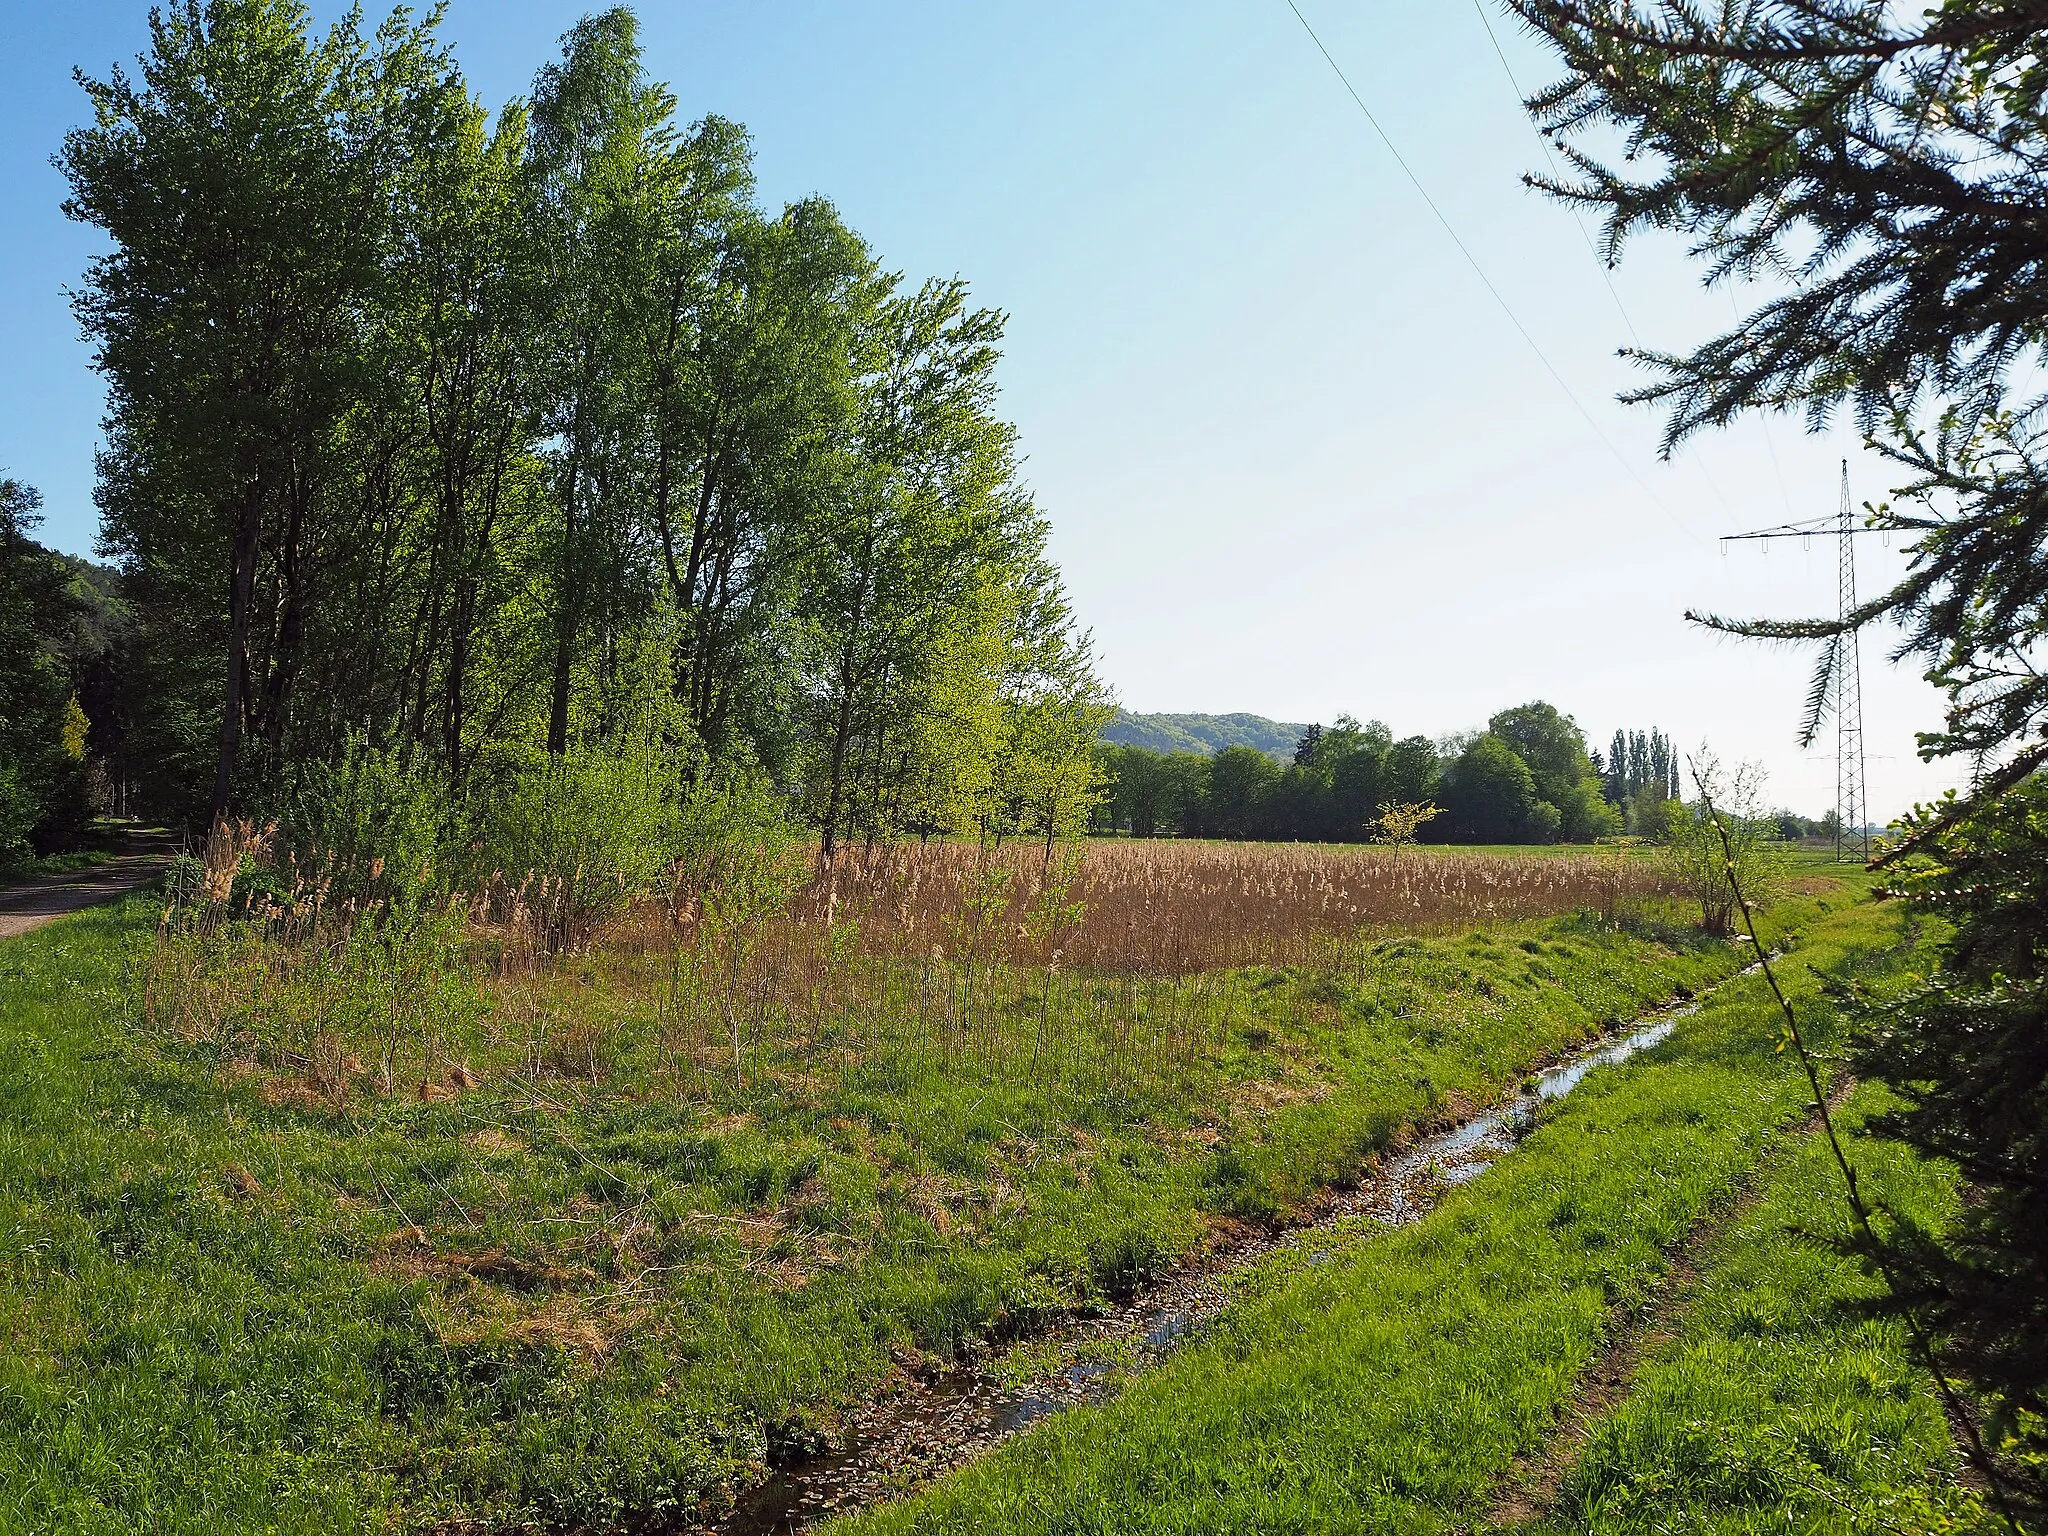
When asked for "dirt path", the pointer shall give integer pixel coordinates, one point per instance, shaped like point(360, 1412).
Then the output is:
point(24, 908)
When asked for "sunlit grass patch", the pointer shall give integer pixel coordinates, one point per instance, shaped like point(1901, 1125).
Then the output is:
point(1391, 1387)
point(1778, 1405)
point(515, 1244)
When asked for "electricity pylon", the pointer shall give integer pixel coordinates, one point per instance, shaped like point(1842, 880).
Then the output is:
point(1845, 680)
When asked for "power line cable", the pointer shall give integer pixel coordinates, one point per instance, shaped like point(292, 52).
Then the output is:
point(1557, 174)
point(1480, 272)
point(1606, 269)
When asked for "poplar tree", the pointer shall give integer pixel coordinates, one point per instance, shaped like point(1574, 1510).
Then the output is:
point(488, 442)
point(238, 181)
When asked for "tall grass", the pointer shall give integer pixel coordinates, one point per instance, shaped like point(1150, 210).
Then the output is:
point(1103, 969)
point(1102, 965)
point(1168, 908)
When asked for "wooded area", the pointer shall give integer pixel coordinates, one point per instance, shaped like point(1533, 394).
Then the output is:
point(1527, 778)
point(640, 1014)
point(492, 442)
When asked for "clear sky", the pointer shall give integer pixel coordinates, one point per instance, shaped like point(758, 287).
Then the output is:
point(1296, 459)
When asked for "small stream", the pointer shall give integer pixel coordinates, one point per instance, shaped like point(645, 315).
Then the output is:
point(930, 1426)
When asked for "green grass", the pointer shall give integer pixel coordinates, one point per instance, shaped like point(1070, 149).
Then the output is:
point(231, 1303)
point(24, 870)
point(1776, 1405)
point(1390, 1388)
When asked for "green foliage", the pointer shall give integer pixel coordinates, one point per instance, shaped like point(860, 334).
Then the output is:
point(1201, 734)
point(44, 803)
point(370, 810)
point(1240, 779)
point(1554, 749)
point(1726, 832)
point(580, 835)
point(733, 821)
point(20, 810)
point(491, 421)
point(1151, 792)
point(1532, 781)
point(1489, 796)
point(1968, 1051)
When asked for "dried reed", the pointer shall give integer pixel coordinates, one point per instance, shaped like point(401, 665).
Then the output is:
point(1174, 909)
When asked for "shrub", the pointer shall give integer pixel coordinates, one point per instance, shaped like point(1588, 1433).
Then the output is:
point(1699, 861)
point(578, 836)
point(369, 824)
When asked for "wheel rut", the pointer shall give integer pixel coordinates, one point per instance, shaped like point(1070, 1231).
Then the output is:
point(1530, 1488)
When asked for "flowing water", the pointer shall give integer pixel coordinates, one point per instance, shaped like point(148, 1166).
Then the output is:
point(931, 1426)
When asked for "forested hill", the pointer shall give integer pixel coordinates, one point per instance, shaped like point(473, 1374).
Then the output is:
point(1207, 734)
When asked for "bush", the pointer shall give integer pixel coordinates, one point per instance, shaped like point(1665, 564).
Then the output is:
point(370, 824)
point(727, 834)
point(1696, 856)
point(578, 836)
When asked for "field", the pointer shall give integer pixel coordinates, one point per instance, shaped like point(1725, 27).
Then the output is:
point(1397, 1384)
point(403, 1216)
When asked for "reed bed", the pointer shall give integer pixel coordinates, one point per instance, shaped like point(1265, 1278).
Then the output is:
point(1103, 967)
point(1175, 909)
point(1106, 969)
point(797, 1006)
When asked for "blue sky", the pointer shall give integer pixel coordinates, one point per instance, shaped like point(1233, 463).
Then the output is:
point(1296, 459)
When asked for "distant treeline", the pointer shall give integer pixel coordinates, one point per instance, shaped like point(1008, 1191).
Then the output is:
point(1527, 778)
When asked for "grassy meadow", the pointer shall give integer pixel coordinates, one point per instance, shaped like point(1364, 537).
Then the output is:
point(398, 1217)
point(1764, 1401)
point(1396, 1384)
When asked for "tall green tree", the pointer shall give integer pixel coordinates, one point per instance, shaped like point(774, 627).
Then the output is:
point(238, 181)
point(1554, 749)
point(599, 138)
point(1490, 796)
point(922, 509)
point(766, 397)
point(1240, 780)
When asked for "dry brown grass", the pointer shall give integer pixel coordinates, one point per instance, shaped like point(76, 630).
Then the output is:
point(1170, 908)
point(1107, 962)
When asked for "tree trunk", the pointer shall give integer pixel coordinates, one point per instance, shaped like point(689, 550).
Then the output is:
point(565, 626)
point(241, 589)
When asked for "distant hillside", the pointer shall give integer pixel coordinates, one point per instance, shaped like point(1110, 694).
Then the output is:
point(1207, 734)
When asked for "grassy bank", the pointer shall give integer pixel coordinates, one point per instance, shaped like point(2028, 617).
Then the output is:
point(1772, 1404)
point(574, 1285)
point(1390, 1387)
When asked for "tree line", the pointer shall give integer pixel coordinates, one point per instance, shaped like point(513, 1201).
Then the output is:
point(490, 440)
point(62, 627)
point(1527, 778)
